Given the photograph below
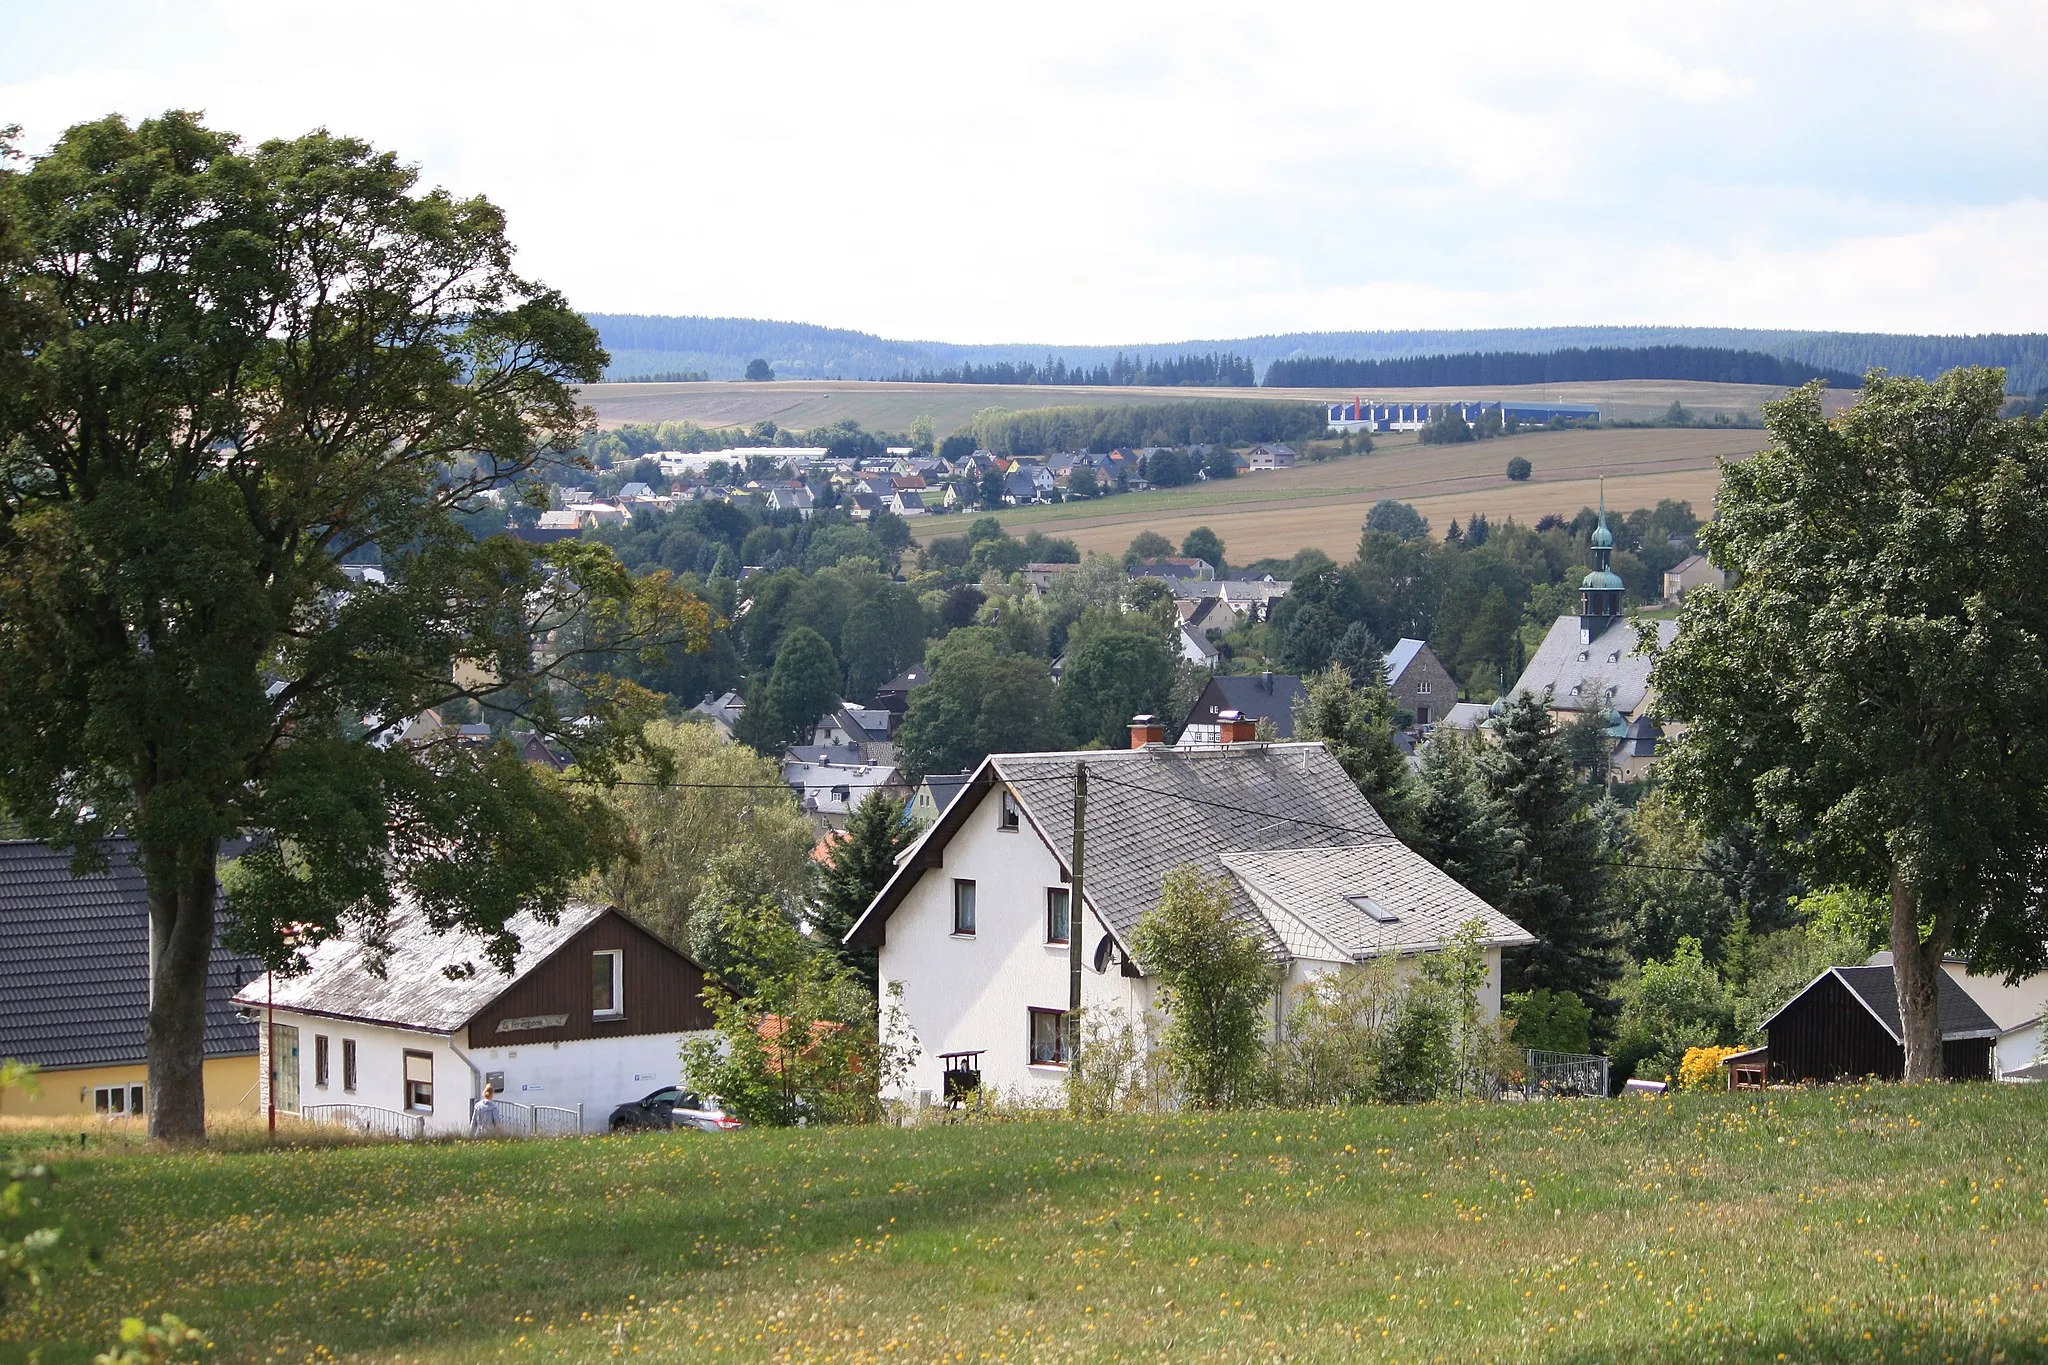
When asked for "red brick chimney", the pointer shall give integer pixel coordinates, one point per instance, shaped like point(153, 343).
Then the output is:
point(1146, 730)
point(1236, 728)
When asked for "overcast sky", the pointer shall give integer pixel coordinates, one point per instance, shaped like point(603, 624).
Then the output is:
point(1122, 172)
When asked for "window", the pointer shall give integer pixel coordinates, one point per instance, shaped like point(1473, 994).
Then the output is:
point(348, 1065)
point(963, 908)
point(1049, 1033)
point(1011, 818)
point(1422, 715)
point(1058, 925)
point(1374, 911)
point(117, 1099)
point(320, 1060)
point(1423, 687)
point(607, 984)
point(419, 1081)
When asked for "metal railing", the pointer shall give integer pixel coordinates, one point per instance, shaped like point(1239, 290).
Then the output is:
point(510, 1118)
point(1564, 1075)
point(367, 1118)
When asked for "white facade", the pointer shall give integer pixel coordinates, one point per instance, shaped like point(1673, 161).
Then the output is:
point(976, 992)
point(2016, 1049)
point(596, 1073)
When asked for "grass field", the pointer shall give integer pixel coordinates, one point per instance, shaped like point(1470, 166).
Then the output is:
point(1887, 1223)
point(882, 406)
point(1324, 505)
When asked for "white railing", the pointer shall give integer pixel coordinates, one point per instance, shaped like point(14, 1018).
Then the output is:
point(509, 1118)
point(367, 1118)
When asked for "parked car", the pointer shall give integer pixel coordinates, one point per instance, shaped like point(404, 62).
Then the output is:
point(673, 1107)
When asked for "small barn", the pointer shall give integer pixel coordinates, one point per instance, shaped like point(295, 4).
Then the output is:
point(593, 1013)
point(1845, 1026)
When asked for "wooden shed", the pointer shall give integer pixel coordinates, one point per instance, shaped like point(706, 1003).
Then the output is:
point(1845, 1026)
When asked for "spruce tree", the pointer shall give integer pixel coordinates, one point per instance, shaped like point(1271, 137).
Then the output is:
point(1355, 722)
point(1555, 876)
point(862, 860)
point(1457, 823)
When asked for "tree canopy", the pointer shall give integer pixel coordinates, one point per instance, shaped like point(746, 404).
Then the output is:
point(228, 372)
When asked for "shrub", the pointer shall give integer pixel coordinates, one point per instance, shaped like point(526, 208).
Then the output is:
point(1331, 1053)
point(1700, 1068)
point(1550, 1021)
point(1520, 469)
point(1214, 979)
point(1121, 1070)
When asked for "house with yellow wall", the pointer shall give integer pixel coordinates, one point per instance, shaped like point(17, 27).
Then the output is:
point(74, 990)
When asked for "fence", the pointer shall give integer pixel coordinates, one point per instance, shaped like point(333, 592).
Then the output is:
point(509, 1118)
point(367, 1118)
point(1560, 1075)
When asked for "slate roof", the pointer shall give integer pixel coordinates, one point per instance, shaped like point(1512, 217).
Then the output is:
point(1255, 696)
point(1282, 819)
point(1400, 656)
point(416, 991)
point(1959, 1015)
point(944, 787)
point(74, 963)
point(1607, 674)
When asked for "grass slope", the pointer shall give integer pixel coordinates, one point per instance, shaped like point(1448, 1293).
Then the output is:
point(1847, 1224)
point(1324, 505)
point(885, 406)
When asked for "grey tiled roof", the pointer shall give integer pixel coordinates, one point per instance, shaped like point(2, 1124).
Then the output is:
point(1155, 809)
point(74, 963)
point(1308, 886)
point(1605, 674)
point(1959, 1015)
point(416, 990)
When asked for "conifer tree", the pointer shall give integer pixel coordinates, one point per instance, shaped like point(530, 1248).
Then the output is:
point(1554, 882)
point(1457, 824)
point(802, 687)
point(1355, 722)
point(862, 860)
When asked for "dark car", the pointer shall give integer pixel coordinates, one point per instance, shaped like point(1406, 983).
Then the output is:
point(673, 1107)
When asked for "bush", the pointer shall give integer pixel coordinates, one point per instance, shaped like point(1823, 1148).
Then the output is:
point(1331, 1054)
point(1214, 978)
point(1700, 1068)
point(1550, 1021)
point(1520, 469)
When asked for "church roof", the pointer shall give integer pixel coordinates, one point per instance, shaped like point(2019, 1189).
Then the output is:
point(1607, 673)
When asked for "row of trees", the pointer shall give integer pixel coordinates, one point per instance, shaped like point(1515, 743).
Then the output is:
point(1210, 370)
point(1698, 364)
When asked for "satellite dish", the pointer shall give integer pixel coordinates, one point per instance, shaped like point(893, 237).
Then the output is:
point(1103, 952)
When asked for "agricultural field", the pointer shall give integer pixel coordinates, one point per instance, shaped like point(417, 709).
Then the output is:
point(884, 406)
point(1324, 505)
point(1853, 1223)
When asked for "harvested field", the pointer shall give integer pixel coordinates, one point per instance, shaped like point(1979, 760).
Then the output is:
point(1324, 505)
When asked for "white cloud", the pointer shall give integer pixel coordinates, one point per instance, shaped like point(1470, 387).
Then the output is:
point(1148, 171)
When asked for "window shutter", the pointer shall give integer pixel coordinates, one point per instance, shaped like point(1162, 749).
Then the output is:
point(419, 1066)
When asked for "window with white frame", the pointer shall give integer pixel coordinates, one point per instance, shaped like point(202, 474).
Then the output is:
point(419, 1082)
point(1050, 1035)
point(963, 908)
point(607, 984)
point(1058, 922)
point(117, 1099)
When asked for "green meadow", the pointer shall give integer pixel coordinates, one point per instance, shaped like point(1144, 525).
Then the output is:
point(1879, 1223)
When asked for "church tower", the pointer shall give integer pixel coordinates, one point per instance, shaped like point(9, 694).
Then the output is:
point(1600, 591)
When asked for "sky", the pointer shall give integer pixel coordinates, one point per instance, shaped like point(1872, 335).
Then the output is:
point(1132, 172)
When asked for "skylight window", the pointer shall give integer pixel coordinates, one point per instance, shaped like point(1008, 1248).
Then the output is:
point(1374, 911)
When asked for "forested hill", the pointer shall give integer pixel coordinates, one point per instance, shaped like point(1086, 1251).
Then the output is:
point(721, 348)
point(1703, 364)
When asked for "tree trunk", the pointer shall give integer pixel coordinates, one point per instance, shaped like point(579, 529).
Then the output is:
point(181, 908)
point(1916, 972)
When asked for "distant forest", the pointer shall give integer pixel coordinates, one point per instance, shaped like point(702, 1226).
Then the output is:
point(1212, 370)
point(1704, 364)
point(1195, 422)
point(721, 347)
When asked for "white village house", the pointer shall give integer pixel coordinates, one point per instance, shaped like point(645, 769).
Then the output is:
point(593, 1013)
point(973, 925)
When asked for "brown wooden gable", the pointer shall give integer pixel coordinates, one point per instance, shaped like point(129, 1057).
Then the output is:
point(662, 992)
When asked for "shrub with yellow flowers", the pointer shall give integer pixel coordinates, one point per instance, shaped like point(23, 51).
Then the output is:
point(1700, 1068)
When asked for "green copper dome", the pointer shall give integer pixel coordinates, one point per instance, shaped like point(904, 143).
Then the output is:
point(1601, 579)
point(1603, 539)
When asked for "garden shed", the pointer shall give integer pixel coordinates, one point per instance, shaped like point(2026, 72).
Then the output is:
point(1845, 1026)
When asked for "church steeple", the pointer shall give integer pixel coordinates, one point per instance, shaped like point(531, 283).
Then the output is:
point(1600, 591)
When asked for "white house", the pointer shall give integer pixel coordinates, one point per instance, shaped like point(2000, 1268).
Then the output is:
point(974, 924)
point(593, 1012)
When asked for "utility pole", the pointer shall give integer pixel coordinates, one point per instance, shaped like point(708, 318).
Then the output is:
point(1074, 923)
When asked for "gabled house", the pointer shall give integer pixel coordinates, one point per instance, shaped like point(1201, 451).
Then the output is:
point(1421, 685)
point(1269, 697)
point(1174, 568)
point(829, 791)
point(862, 728)
point(975, 925)
point(1273, 455)
point(74, 990)
point(863, 506)
point(894, 695)
point(1196, 648)
point(722, 711)
point(936, 793)
point(1845, 1026)
point(593, 1013)
point(1689, 574)
point(906, 502)
point(1027, 484)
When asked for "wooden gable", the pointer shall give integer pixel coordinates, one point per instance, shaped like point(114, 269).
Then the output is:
point(553, 1003)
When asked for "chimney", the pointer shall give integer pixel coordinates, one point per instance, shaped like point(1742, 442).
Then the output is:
point(1146, 730)
point(1236, 728)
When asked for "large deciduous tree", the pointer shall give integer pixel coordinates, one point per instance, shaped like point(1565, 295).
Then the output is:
point(1871, 680)
point(225, 374)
